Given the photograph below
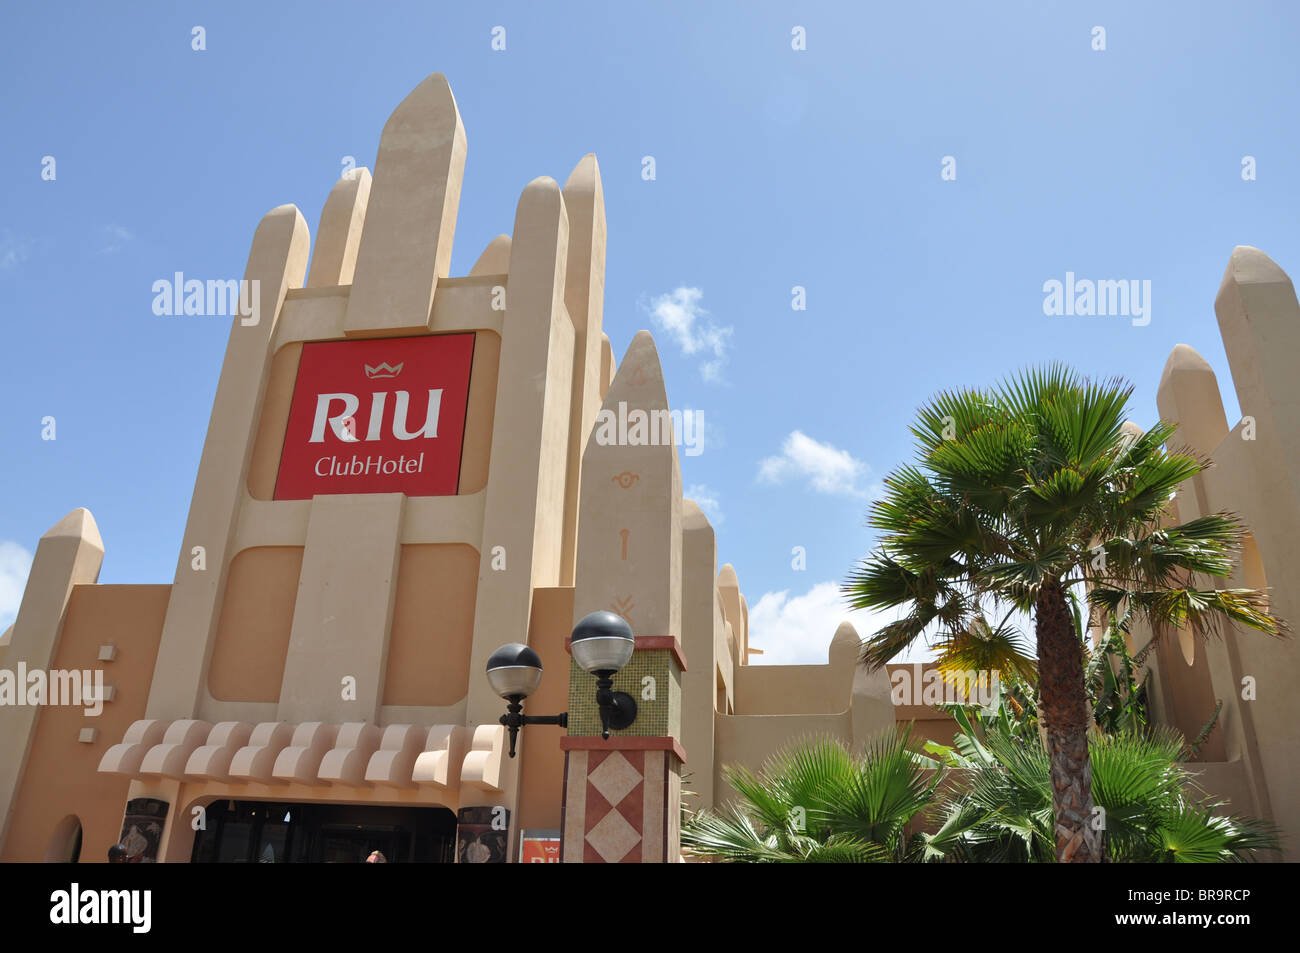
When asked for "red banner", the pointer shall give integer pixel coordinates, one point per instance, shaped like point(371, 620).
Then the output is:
point(544, 849)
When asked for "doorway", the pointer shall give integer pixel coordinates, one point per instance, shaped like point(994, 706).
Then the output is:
point(278, 832)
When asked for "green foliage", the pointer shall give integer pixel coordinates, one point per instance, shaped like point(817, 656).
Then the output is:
point(817, 803)
point(1194, 748)
point(981, 648)
point(1038, 480)
point(1001, 810)
point(1119, 698)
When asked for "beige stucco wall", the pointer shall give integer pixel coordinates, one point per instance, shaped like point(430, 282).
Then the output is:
point(541, 772)
point(274, 419)
point(68, 555)
point(252, 637)
point(61, 777)
point(752, 739)
point(432, 627)
point(792, 689)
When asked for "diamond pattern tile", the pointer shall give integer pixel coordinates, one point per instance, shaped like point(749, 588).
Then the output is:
point(614, 778)
point(613, 837)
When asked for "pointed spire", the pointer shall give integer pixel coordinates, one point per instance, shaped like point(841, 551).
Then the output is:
point(584, 198)
point(1259, 319)
point(339, 235)
point(495, 259)
point(79, 525)
point(729, 592)
point(1249, 266)
point(638, 384)
point(846, 634)
point(584, 298)
point(693, 518)
point(411, 217)
point(1189, 396)
point(630, 503)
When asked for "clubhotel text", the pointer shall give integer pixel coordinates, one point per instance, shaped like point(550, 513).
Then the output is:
point(345, 428)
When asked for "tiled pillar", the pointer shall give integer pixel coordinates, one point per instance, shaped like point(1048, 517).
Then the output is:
point(622, 797)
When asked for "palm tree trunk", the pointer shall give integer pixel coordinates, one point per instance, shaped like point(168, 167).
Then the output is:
point(1067, 714)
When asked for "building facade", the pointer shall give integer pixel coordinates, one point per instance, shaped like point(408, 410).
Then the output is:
point(404, 470)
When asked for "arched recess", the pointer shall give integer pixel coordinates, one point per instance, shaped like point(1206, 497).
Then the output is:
point(1189, 689)
point(65, 842)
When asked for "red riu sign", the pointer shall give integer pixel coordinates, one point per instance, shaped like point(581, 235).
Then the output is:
point(540, 850)
point(377, 416)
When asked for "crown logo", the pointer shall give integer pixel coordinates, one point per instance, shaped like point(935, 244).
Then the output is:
point(383, 370)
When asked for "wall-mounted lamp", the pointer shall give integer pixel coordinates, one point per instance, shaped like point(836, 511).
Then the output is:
point(514, 671)
point(602, 643)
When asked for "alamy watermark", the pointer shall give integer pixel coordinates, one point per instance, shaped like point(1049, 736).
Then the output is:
point(919, 686)
point(212, 298)
point(76, 905)
point(651, 428)
point(82, 688)
point(1085, 297)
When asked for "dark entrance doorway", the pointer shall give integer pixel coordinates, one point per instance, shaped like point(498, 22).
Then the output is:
point(276, 832)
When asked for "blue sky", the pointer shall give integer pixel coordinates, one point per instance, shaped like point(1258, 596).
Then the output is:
point(775, 167)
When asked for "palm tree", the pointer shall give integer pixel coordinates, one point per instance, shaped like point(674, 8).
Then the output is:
point(1003, 810)
point(1020, 493)
point(1119, 698)
point(816, 803)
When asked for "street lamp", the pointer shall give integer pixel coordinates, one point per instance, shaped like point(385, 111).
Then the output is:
point(514, 671)
point(602, 643)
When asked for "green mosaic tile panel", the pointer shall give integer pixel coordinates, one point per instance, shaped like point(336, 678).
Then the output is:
point(655, 718)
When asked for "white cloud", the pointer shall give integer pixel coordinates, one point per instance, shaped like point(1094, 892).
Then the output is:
point(13, 251)
point(15, 564)
point(797, 630)
point(679, 313)
point(115, 238)
point(707, 500)
point(827, 468)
